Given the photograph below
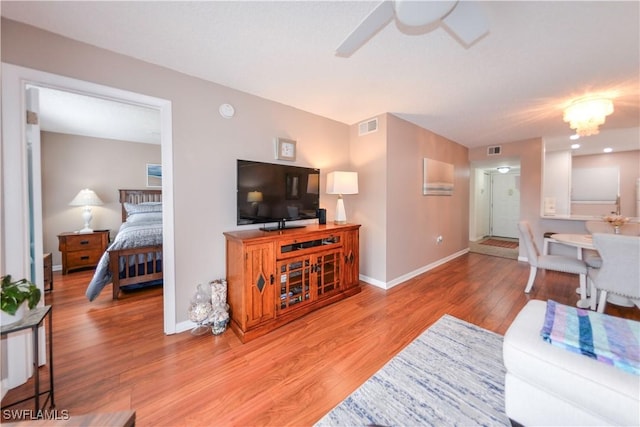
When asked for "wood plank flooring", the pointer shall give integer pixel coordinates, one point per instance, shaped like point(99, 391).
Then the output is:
point(112, 356)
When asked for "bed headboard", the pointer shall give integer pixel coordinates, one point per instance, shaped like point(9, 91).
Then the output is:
point(138, 196)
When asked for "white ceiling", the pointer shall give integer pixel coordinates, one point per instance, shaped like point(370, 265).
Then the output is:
point(509, 86)
point(78, 114)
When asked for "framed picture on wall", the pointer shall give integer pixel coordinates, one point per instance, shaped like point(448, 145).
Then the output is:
point(437, 179)
point(154, 175)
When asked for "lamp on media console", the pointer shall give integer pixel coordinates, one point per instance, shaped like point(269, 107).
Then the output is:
point(86, 198)
point(254, 197)
point(340, 182)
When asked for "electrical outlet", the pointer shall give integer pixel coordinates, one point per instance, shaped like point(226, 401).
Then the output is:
point(439, 239)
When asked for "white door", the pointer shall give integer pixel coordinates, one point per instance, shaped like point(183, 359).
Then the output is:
point(505, 204)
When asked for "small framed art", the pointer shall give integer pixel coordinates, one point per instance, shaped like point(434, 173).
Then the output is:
point(285, 149)
point(154, 175)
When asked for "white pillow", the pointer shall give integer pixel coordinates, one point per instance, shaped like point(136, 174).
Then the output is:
point(145, 217)
point(142, 208)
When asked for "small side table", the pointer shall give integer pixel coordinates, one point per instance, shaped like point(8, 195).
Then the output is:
point(33, 319)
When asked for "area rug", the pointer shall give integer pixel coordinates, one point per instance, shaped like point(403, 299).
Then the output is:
point(452, 374)
point(510, 244)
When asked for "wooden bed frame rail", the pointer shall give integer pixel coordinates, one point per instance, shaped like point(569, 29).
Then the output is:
point(135, 272)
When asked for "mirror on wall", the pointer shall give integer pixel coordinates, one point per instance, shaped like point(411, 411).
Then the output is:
point(586, 182)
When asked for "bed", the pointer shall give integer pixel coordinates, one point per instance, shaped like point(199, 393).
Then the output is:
point(134, 258)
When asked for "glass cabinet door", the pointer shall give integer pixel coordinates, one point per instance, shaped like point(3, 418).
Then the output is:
point(327, 272)
point(295, 287)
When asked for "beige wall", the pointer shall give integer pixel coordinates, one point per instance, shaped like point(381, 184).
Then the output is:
point(414, 221)
point(71, 163)
point(205, 145)
point(368, 154)
point(529, 154)
point(400, 225)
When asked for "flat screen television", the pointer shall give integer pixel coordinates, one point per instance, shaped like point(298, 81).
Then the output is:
point(276, 193)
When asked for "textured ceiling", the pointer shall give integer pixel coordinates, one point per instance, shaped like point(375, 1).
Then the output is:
point(75, 114)
point(509, 86)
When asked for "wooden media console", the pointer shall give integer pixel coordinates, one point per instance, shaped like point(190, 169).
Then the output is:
point(275, 277)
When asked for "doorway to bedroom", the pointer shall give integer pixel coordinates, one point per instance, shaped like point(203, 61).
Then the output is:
point(99, 144)
point(20, 80)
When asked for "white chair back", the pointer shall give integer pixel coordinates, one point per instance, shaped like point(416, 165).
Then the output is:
point(529, 243)
point(620, 271)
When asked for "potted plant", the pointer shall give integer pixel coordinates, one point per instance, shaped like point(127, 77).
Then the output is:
point(14, 294)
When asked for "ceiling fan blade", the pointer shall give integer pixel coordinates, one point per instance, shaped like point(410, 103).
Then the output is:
point(467, 22)
point(369, 27)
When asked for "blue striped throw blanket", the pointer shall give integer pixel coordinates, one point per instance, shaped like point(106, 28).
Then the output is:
point(608, 339)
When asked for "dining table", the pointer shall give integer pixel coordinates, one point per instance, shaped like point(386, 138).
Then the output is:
point(579, 241)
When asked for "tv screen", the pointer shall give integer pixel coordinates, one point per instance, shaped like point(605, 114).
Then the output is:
point(269, 192)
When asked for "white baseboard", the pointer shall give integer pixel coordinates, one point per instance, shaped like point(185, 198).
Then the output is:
point(372, 281)
point(412, 274)
point(185, 326)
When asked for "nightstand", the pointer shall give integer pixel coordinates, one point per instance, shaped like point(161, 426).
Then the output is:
point(82, 250)
point(47, 267)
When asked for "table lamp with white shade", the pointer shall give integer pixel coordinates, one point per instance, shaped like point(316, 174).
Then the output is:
point(86, 198)
point(340, 182)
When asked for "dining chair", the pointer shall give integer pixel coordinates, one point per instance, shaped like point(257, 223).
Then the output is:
point(620, 270)
point(592, 257)
point(561, 263)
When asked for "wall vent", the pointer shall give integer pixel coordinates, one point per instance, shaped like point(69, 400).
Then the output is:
point(495, 150)
point(367, 127)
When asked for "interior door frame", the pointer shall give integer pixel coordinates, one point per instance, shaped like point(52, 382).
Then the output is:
point(15, 229)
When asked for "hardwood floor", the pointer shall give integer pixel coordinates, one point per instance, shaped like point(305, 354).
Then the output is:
point(112, 356)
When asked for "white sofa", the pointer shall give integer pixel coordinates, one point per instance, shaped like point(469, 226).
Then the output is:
point(546, 385)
